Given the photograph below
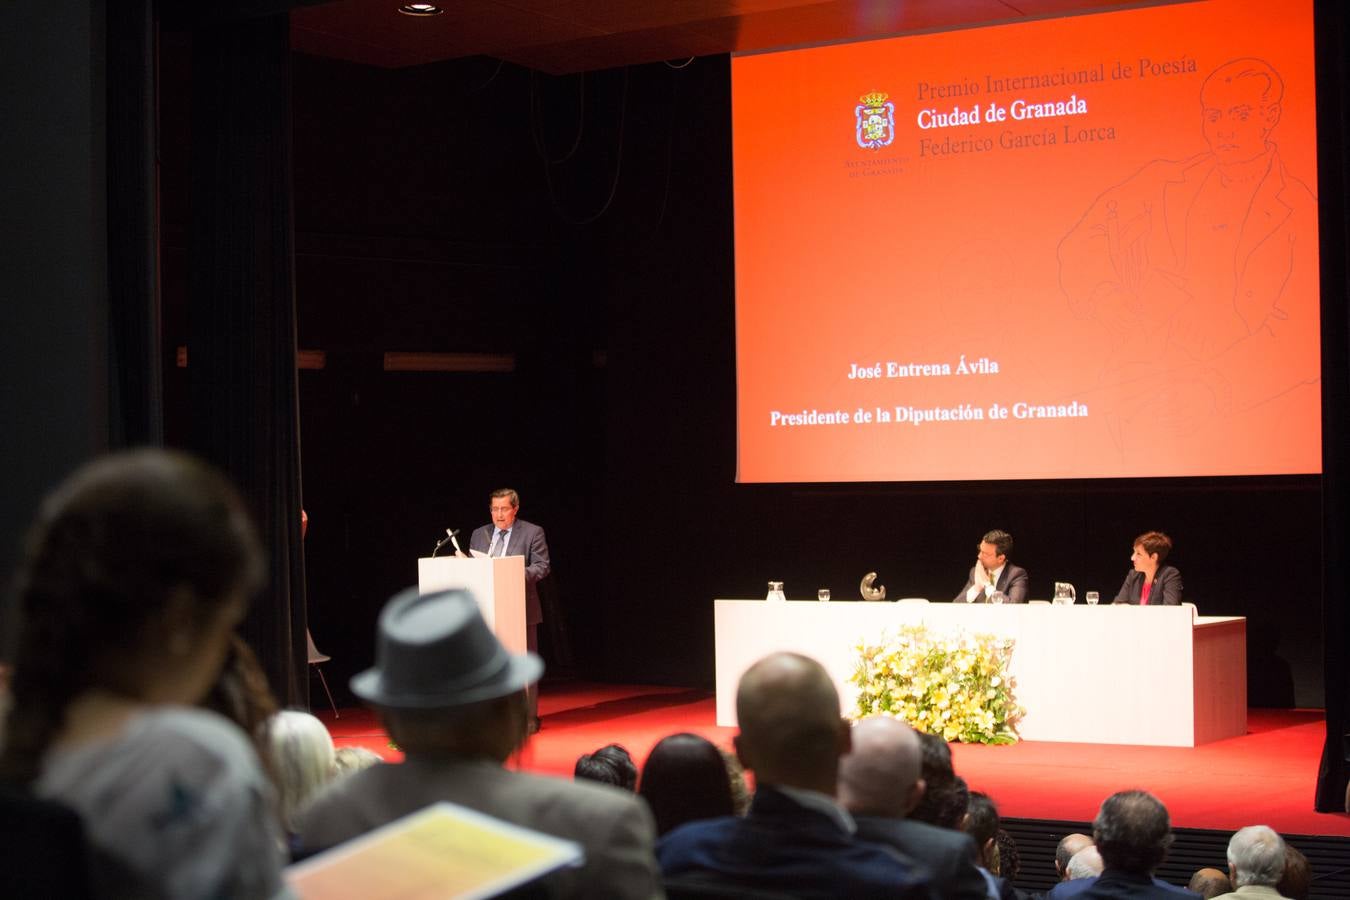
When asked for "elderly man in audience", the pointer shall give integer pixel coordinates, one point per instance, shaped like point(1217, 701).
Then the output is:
point(879, 785)
point(1086, 863)
point(1079, 875)
point(301, 758)
point(350, 760)
point(1255, 863)
point(454, 699)
point(1065, 850)
point(796, 839)
point(1132, 832)
point(1210, 883)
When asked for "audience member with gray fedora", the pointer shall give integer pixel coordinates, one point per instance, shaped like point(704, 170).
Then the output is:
point(453, 699)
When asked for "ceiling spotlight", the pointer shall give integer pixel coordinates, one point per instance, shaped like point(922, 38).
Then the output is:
point(420, 9)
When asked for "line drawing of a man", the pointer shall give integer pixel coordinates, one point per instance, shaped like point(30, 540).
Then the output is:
point(1202, 271)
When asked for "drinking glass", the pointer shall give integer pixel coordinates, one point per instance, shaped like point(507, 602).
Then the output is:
point(823, 595)
point(775, 591)
point(998, 597)
point(1092, 598)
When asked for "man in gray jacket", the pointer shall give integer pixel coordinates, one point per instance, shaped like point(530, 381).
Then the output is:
point(453, 699)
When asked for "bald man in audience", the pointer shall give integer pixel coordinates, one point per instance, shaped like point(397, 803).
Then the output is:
point(1255, 863)
point(879, 784)
point(1086, 863)
point(1210, 883)
point(1067, 847)
point(795, 839)
point(1080, 873)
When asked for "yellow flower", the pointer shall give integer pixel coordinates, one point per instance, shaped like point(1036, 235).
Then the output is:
point(952, 684)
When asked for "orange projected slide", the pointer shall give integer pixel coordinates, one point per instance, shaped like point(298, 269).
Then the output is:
point(1072, 248)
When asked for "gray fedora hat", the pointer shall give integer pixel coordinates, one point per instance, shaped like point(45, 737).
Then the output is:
point(435, 651)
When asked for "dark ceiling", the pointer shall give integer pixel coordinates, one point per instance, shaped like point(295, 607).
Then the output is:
point(564, 36)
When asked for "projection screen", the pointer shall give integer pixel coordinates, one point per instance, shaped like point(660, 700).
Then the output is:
point(1073, 248)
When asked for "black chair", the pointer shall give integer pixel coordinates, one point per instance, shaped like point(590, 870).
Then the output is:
point(708, 887)
point(317, 659)
point(42, 848)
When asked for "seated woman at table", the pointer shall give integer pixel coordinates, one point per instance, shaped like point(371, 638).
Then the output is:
point(1152, 583)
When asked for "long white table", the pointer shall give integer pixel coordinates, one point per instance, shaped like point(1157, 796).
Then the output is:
point(1090, 674)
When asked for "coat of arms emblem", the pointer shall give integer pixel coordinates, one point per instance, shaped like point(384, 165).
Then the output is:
point(875, 116)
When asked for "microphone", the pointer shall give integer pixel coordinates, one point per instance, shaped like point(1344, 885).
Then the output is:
point(449, 536)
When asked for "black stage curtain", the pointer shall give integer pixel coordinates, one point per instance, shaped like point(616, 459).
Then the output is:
point(1333, 124)
point(136, 383)
point(241, 332)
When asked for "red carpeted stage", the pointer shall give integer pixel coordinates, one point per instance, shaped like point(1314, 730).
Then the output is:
point(1266, 776)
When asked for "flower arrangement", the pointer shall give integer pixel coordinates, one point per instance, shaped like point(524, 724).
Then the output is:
point(953, 685)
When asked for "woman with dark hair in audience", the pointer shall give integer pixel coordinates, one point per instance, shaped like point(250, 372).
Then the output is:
point(611, 764)
point(685, 779)
point(1009, 858)
point(946, 796)
point(242, 695)
point(983, 825)
point(135, 574)
point(1152, 583)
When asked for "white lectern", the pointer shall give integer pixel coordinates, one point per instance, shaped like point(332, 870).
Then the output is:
point(497, 583)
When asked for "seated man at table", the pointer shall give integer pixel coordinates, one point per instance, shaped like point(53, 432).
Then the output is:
point(993, 573)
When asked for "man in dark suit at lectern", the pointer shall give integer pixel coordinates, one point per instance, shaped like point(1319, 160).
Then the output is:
point(510, 536)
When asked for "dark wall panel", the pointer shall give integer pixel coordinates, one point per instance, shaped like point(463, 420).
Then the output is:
point(54, 392)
